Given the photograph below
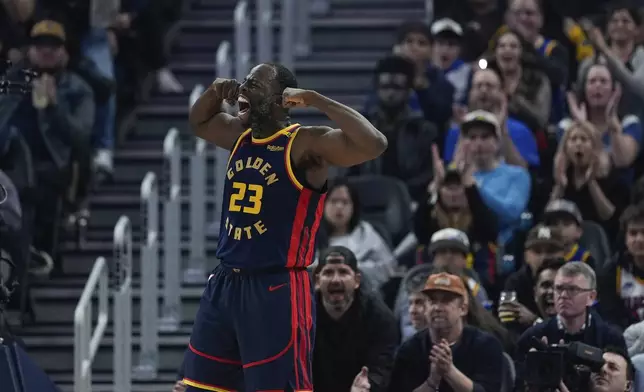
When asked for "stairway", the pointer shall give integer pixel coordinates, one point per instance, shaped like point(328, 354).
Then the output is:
point(346, 44)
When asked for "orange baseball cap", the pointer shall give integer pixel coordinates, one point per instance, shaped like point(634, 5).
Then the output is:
point(446, 282)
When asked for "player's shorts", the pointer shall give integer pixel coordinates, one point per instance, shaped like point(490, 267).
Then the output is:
point(253, 332)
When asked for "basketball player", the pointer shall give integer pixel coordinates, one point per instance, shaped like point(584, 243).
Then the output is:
point(254, 330)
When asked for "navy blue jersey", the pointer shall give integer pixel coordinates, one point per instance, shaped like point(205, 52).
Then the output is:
point(268, 218)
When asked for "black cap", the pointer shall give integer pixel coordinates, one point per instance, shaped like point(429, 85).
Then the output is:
point(338, 255)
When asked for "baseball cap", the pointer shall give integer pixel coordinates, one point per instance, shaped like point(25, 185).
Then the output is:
point(480, 117)
point(544, 235)
point(337, 255)
point(48, 31)
point(446, 282)
point(449, 239)
point(446, 25)
point(562, 207)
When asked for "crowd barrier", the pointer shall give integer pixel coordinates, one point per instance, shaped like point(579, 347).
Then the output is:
point(121, 282)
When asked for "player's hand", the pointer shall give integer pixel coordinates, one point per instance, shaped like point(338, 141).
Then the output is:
point(227, 89)
point(295, 97)
point(361, 382)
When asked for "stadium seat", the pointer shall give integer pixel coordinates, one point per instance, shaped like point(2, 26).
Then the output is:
point(509, 374)
point(385, 200)
point(595, 240)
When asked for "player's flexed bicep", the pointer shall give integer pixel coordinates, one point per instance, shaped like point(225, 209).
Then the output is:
point(207, 119)
point(356, 141)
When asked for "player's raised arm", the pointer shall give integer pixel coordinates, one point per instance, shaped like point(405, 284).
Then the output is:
point(356, 141)
point(207, 119)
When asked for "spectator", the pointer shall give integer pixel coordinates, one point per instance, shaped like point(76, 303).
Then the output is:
point(342, 225)
point(564, 216)
point(617, 373)
point(455, 202)
point(575, 292)
point(583, 176)
point(449, 249)
point(450, 346)
point(447, 40)
point(597, 103)
point(410, 136)
point(621, 282)
point(518, 144)
point(479, 18)
point(526, 18)
point(504, 188)
point(13, 14)
point(53, 121)
point(354, 328)
point(634, 337)
point(418, 312)
point(433, 93)
point(527, 87)
point(541, 244)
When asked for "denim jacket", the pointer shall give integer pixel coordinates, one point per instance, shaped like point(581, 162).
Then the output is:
point(61, 125)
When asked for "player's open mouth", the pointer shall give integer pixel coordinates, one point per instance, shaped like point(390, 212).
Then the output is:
point(244, 105)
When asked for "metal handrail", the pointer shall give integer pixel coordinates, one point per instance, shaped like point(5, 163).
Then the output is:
point(264, 36)
point(242, 40)
point(86, 344)
point(149, 353)
point(287, 33)
point(303, 28)
point(122, 294)
point(171, 312)
point(429, 11)
point(196, 271)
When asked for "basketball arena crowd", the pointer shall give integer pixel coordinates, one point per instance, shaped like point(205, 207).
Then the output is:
point(507, 211)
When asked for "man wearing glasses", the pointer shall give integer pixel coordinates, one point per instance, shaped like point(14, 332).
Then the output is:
point(575, 291)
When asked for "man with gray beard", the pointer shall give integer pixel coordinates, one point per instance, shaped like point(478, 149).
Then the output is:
point(354, 328)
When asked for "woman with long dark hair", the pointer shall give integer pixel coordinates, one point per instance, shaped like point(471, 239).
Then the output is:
point(342, 225)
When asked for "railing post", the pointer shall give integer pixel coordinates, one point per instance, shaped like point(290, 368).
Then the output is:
point(196, 271)
point(149, 352)
point(224, 70)
point(264, 32)
point(303, 28)
point(86, 344)
point(429, 11)
point(171, 316)
point(242, 40)
point(287, 32)
point(122, 294)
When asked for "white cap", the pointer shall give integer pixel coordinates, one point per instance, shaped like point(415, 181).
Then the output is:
point(446, 25)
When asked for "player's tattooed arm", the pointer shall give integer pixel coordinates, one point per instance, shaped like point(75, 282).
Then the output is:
point(207, 119)
point(356, 141)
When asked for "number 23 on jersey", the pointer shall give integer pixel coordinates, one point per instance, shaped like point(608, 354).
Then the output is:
point(249, 194)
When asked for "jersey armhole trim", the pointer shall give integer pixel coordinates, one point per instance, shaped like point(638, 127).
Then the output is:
point(288, 160)
point(239, 139)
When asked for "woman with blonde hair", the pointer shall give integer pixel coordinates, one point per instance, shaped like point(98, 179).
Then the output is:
point(584, 175)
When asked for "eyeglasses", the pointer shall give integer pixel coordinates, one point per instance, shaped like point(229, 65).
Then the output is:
point(571, 290)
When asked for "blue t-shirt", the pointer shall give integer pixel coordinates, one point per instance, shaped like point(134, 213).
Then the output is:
point(520, 134)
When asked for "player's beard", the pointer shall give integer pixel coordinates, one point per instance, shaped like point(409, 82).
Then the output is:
point(259, 114)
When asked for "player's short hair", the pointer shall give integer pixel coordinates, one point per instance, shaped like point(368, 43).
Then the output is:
point(396, 65)
point(283, 76)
